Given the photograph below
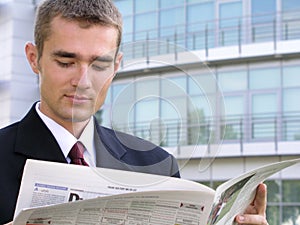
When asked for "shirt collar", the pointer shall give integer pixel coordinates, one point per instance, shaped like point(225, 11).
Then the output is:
point(87, 138)
point(66, 140)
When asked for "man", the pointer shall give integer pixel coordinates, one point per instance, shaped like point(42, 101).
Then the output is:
point(76, 57)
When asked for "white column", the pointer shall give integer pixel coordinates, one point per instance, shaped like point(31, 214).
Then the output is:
point(18, 84)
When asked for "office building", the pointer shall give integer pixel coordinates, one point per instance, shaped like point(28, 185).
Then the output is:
point(215, 82)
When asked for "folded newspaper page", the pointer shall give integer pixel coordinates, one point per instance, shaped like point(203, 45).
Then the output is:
point(48, 183)
point(55, 193)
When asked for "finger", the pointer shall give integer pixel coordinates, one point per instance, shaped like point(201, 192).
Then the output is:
point(260, 201)
point(251, 219)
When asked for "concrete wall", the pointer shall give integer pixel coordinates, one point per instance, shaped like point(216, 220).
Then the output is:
point(18, 84)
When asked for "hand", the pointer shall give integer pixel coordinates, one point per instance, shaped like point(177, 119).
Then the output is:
point(256, 212)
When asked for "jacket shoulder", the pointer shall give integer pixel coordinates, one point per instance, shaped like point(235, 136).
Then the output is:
point(140, 152)
point(8, 132)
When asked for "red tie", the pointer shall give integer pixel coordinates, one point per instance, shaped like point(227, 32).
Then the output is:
point(76, 154)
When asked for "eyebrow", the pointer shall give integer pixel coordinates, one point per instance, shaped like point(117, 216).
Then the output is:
point(64, 54)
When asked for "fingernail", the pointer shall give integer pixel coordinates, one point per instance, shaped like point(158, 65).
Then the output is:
point(241, 218)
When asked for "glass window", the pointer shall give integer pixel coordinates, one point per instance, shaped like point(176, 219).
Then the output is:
point(198, 1)
point(103, 117)
point(143, 112)
point(174, 86)
point(201, 24)
point(116, 89)
point(146, 88)
point(263, 17)
point(127, 25)
point(273, 214)
point(290, 19)
point(264, 78)
point(291, 194)
point(171, 22)
point(264, 108)
point(122, 116)
point(144, 30)
point(291, 76)
point(202, 104)
point(173, 115)
point(230, 14)
point(172, 17)
point(264, 103)
point(233, 81)
point(199, 41)
point(170, 3)
point(145, 6)
point(146, 110)
point(291, 214)
point(234, 111)
point(141, 24)
point(291, 129)
point(199, 121)
point(200, 13)
point(291, 110)
point(263, 11)
point(290, 197)
point(122, 93)
point(108, 95)
point(290, 5)
point(291, 100)
point(291, 191)
point(202, 84)
point(273, 190)
point(124, 6)
point(234, 105)
point(174, 109)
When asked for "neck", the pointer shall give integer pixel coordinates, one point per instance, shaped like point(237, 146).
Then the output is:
point(75, 128)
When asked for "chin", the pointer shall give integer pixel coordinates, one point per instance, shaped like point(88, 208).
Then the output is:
point(80, 117)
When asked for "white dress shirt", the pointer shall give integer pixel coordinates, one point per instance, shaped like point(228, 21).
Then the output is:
point(66, 140)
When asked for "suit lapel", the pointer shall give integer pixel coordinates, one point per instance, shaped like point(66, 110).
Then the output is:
point(110, 141)
point(34, 140)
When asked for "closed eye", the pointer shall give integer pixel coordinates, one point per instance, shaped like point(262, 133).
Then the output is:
point(64, 64)
point(99, 68)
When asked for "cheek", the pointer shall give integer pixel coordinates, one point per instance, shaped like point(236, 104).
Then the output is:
point(50, 82)
point(101, 89)
point(47, 81)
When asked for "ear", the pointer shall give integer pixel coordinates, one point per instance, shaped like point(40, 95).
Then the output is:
point(118, 61)
point(32, 57)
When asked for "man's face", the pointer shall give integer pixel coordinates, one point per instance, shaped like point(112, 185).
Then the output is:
point(76, 69)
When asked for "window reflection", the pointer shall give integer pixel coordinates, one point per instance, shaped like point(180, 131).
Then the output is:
point(264, 78)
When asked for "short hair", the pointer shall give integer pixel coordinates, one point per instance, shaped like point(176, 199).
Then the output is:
point(88, 12)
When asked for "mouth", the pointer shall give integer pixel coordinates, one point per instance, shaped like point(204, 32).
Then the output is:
point(78, 99)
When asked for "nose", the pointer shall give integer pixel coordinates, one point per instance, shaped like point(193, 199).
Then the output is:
point(82, 79)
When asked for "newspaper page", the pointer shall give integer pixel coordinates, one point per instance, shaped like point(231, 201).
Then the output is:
point(234, 196)
point(49, 183)
point(153, 207)
point(147, 198)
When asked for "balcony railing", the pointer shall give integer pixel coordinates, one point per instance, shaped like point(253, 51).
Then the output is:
point(280, 26)
point(240, 130)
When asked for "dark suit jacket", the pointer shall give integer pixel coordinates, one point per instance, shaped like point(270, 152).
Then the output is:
point(31, 139)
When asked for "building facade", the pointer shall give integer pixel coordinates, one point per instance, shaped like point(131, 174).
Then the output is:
point(18, 86)
point(215, 82)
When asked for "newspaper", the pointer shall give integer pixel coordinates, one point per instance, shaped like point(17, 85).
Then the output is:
point(49, 194)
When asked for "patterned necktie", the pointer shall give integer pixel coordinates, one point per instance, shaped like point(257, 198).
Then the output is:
point(76, 154)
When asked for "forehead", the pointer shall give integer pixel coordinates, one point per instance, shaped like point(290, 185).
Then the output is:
point(76, 36)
